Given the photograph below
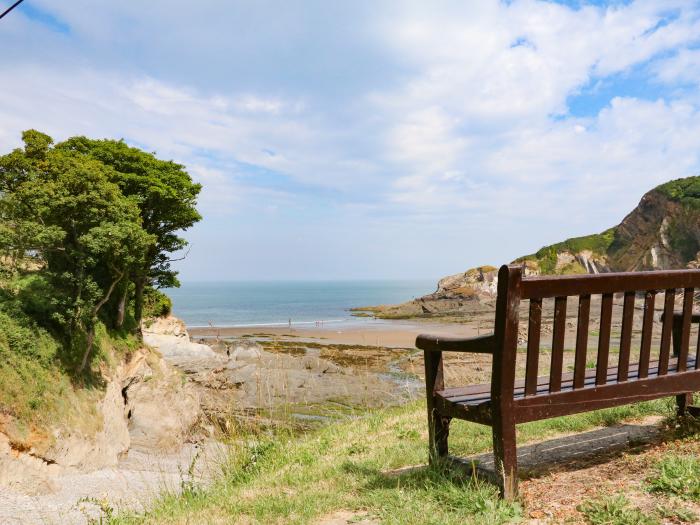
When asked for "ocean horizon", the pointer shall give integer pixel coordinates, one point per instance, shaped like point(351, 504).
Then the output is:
point(277, 303)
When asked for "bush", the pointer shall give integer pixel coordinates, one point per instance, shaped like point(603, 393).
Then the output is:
point(156, 303)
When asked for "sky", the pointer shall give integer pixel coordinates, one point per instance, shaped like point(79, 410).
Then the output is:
point(371, 139)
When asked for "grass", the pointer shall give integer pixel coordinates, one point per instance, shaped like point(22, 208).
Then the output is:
point(615, 510)
point(676, 514)
point(677, 476)
point(37, 394)
point(546, 257)
point(356, 465)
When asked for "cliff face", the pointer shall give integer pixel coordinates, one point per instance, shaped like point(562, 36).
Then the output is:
point(662, 232)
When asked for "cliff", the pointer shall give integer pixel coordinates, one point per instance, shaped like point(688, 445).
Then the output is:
point(661, 232)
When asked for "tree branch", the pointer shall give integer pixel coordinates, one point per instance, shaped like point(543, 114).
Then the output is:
point(189, 247)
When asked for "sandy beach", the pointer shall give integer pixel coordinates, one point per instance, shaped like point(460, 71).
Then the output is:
point(390, 334)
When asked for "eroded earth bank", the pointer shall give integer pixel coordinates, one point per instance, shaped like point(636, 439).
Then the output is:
point(161, 422)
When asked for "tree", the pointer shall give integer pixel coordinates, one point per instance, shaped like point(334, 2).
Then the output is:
point(166, 197)
point(66, 211)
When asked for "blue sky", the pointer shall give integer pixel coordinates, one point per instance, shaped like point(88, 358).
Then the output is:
point(364, 139)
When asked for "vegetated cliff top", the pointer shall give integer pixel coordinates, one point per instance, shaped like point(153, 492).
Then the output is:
point(661, 232)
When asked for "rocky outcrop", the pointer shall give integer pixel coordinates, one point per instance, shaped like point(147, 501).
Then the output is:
point(162, 409)
point(25, 472)
point(170, 337)
point(645, 239)
point(477, 282)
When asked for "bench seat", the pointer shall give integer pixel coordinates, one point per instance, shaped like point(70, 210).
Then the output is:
point(475, 395)
point(473, 402)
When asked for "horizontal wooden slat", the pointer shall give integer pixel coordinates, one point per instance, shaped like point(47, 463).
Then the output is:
point(565, 285)
point(478, 393)
point(604, 396)
point(477, 408)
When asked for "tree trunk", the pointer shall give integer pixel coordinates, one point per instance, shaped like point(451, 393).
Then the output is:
point(121, 307)
point(139, 286)
point(88, 347)
point(91, 331)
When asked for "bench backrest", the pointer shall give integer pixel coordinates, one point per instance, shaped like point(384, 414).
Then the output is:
point(646, 289)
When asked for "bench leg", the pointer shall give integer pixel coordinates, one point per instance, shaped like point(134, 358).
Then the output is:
point(683, 401)
point(505, 458)
point(438, 431)
point(438, 425)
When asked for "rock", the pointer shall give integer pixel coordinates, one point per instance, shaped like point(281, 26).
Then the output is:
point(161, 413)
point(72, 448)
point(25, 473)
point(161, 408)
point(146, 406)
point(169, 336)
point(246, 353)
point(173, 346)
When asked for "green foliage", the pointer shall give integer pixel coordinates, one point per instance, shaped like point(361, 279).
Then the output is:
point(677, 514)
point(84, 227)
point(686, 191)
point(614, 510)
point(678, 476)
point(26, 356)
point(165, 196)
point(32, 385)
point(156, 303)
point(546, 257)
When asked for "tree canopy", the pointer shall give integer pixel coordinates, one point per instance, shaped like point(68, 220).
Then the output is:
point(95, 224)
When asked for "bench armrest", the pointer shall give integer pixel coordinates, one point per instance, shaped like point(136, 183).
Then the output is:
point(478, 345)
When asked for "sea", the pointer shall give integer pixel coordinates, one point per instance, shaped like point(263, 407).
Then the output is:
point(277, 303)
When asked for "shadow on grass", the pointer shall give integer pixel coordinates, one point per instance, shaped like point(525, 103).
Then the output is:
point(567, 453)
point(433, 494)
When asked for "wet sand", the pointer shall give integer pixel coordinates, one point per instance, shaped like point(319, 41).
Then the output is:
point(389, 334)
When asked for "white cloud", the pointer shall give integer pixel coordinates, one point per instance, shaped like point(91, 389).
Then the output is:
point(496, 111)
point(458, 129)
point(683, 67)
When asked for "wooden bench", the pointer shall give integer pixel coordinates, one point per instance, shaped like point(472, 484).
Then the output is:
point(506, 402)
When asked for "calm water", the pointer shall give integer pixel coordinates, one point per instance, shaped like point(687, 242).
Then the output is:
point(270, 303)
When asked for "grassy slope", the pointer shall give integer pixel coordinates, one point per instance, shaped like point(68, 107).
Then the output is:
point(287, 479)
point(37, 392)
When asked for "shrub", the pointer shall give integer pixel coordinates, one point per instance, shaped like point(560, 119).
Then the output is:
point(156, 303)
